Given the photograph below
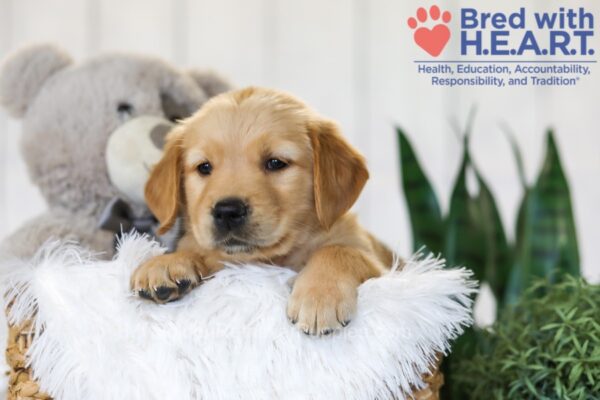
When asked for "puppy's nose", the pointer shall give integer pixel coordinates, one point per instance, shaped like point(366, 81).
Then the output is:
point(230, 213)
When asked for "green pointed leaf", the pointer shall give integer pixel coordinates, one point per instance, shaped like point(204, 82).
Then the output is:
point(546, 237)
point(423, 207)
point(475, 236)
point(575, 374)
point(497, 252)
point(519, 275)
point(464, 242)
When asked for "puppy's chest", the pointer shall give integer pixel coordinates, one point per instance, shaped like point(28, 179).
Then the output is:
point(295, 263)
point(298, 257)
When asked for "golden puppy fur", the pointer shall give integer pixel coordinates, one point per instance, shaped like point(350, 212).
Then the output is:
point(296, 178)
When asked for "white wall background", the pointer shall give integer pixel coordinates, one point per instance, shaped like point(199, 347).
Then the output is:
point(350, 59)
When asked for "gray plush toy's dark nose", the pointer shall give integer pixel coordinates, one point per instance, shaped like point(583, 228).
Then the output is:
point(229, 214)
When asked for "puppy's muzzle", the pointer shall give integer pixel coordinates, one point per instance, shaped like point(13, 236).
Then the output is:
point(230, 214)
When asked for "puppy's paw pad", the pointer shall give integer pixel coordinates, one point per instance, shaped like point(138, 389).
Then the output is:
point(163, 293)
point(184, 285)
point(144, 294)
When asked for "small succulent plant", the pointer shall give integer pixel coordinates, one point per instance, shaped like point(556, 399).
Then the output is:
point(547, 346)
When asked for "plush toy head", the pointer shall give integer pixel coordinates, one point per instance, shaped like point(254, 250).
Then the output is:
point(70, 111)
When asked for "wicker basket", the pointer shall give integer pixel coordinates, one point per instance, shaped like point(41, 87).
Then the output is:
point(22, 386)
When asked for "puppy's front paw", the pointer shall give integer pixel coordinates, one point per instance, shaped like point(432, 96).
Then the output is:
point(165, 278)
point(319, 308)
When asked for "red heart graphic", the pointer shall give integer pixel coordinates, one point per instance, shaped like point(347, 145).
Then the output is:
point(433, 40)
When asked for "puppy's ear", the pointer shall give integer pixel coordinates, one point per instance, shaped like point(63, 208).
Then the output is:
point(340, 172)
point(163, 189)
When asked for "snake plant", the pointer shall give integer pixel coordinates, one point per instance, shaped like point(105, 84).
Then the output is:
point(472, 233)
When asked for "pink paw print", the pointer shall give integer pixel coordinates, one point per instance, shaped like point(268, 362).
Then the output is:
point(432, 40)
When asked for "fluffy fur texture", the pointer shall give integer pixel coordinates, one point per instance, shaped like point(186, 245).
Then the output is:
point(229, 339)
point(69, 111)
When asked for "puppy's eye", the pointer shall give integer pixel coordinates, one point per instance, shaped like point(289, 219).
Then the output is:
point(124, 108)
point(205, 168)
point(275, 164)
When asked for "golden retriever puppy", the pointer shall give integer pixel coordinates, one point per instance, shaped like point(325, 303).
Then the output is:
point(260, 177)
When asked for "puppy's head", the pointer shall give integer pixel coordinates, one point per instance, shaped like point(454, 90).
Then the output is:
point(253, 170)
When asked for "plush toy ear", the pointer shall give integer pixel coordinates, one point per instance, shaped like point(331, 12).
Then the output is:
point(339, 172)
point(211, 82)
point(23, 74)
point(163, 189)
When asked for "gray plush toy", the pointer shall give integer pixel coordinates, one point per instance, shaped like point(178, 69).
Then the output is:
point(91, 131)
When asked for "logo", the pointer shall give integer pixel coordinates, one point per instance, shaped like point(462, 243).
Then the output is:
point(524, 46)
point(565, 32)
point(435, 39)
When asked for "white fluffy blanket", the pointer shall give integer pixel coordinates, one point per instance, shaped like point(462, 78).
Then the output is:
point(228, 339)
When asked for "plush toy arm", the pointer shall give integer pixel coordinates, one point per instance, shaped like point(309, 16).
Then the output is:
point(53, 225)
